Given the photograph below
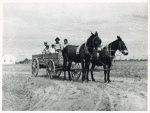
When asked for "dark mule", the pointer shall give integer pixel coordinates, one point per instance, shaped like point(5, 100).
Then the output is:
point(84, 56)
point(106, 56)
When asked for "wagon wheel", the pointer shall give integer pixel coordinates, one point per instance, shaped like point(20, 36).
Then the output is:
point(50, 69)
point(76, 72)
point(35, 67)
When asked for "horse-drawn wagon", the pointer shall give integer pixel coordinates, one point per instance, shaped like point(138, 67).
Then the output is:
point(53, 63)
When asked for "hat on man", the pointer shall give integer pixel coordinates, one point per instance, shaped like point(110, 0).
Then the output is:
point(57, 39)
point(45, 42)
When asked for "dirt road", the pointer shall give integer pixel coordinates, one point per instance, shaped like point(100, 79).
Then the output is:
point(23, 92)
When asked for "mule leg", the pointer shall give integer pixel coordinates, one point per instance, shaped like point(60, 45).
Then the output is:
point(65, 66)
point(69, 65)
point(92, 72)
point(108, 73)
point(87, 71)
point(105, 72)
point(83, 70)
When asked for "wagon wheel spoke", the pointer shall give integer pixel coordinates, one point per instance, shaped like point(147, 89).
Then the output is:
point(33, 70)
point(75, 74)
point(50, 69)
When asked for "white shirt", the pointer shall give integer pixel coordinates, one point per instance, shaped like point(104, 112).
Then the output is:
point(52, 50)
point(58, 46)
point(45, 51)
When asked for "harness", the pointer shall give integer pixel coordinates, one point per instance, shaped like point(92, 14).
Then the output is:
point(109, 51)
point(91, 54)
point(86, 48)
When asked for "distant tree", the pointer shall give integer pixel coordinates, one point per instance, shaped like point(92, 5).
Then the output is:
point(131, 59)
point(143, 59)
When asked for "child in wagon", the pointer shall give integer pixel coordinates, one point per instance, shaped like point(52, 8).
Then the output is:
point(52, 49)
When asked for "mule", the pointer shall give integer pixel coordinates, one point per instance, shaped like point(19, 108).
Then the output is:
point(84, 56)
point(106, 56)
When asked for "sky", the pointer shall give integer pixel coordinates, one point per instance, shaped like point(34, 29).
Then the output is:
point(27, 25)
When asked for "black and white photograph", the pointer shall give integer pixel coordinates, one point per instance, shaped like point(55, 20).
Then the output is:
point(71, 56)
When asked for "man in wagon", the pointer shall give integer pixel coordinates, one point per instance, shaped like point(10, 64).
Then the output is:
point(57, 45)
point(58, 50)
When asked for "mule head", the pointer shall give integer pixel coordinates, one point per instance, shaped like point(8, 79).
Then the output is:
point(121, 46)
point(95, 41)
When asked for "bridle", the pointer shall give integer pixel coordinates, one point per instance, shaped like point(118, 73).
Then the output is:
point(91, 54)
point(93, 41)
point(86, 47)
point(92, 44)
point(119, 47)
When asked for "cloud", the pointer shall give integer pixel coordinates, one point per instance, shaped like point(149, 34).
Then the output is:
point(28, 25)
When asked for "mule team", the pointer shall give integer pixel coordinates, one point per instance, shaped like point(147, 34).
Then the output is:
point(89, 52)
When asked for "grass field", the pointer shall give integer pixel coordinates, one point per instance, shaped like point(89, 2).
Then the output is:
point(126, 92)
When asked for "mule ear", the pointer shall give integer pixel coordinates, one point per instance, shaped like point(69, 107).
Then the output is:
point(96, 33)
point(119, 38)
point(92, 33)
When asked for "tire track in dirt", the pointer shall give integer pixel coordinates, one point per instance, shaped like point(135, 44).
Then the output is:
point(105, 103)
point(93, 91)
point(113, 90)
point(100, 98)
point(125, 97)
point(43, 100)
point(50, 97)
point(79, 96)
point(40, 93)
point(71, 95)
point(110, 100)
point(105, 99)
point(55, 97)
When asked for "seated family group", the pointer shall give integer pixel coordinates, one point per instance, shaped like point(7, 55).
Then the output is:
point(55, 48)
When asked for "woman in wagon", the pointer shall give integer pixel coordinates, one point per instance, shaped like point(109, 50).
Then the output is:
point(57, 45)
point(65, 43)
point(52, 49)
